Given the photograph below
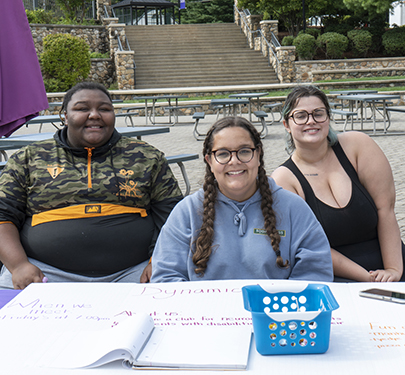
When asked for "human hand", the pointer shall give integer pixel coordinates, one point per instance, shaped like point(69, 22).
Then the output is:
point(146, 274)
point(25, 274)
point(387, 275)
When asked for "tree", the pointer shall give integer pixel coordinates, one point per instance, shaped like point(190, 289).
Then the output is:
point(208, 12)
point(289, 11)
point(373, 7)
point(73, 9)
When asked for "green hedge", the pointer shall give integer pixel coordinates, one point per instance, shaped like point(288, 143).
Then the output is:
point(305, 46)
point(393, 41)
point(333, 44)
point(360, 41)
point(65, 61)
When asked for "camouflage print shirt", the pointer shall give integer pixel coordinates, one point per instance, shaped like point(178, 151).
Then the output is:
point(75, 207)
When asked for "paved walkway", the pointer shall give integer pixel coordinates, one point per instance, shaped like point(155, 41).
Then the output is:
point(181, 140)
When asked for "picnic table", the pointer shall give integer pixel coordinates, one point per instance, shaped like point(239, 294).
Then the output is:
point(229, 102)
point(252, 97)
point(359, 101)
point(154, 99)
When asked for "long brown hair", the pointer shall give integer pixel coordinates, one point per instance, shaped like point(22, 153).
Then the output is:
point(203, 248)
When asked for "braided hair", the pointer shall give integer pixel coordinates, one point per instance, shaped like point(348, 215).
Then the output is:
point(203, 248)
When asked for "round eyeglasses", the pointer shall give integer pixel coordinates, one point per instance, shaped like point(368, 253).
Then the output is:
point(224, 156)
point(301, 117)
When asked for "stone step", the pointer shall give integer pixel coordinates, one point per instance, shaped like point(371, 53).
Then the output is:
point(193, 55)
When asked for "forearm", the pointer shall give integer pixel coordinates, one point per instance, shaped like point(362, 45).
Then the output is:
point(390, 241)
point(12, 253)
point(346, 268)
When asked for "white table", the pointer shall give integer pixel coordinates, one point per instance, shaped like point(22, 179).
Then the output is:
point(367, 336)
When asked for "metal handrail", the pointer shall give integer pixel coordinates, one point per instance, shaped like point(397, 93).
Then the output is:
point(274, 40)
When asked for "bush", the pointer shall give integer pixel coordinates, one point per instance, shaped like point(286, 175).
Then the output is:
point(41, 16)
point(65, 61)
point(360, 41)
point(287, 41)
point(333, 44)
point(305, 45)
point(393, 41)
point(311, 31)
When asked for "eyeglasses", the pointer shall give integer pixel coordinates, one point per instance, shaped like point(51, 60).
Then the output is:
point(301, 117)
point(244, 155)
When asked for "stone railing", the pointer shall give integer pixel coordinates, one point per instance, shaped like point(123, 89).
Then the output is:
point(319, 70)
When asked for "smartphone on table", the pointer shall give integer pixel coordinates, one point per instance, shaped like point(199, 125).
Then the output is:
point(384, 295)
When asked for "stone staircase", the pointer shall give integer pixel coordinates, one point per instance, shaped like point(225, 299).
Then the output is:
point(196, 55)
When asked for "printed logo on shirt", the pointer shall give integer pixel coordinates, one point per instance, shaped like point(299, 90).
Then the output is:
point(55, 170)
point(128, 188)
point(92, 209)
point(281, 232)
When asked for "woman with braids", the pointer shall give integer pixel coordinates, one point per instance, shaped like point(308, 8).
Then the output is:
point(241, 225)
point(347, 181)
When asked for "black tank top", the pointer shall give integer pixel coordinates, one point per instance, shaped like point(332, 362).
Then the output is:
point(354, 223)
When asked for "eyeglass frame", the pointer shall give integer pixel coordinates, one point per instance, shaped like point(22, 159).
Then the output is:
point(253, 149)
point(309, 114)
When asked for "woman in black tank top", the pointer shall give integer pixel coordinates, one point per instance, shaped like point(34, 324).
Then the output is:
point(355, 208)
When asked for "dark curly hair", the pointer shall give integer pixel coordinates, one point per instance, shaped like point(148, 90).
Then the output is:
point(203, 248)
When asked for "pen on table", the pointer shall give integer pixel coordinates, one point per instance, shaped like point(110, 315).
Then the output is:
point(45, 279)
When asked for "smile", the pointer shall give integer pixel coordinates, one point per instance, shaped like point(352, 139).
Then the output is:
point(233, 173)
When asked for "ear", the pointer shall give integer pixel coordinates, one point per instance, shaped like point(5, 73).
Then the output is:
point(287, 127)
point(208, 159)
point(65, 121)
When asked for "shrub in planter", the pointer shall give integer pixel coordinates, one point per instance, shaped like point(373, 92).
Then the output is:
point(65, 61)
point(305, 46)
point(311, 31)
point(360, 41)
point(393, 41)
point(333, 44)
point(287, 41)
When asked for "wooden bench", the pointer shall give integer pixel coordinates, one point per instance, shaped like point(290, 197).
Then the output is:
point(179, 160)
point(274, 106)
point(197, 117)
point(347, 114)
point(261, 115)
point(176, 110)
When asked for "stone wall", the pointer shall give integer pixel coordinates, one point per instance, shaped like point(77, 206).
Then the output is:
point(316, 70)
point(102, 39)
point(95, 36)
point(102, 71)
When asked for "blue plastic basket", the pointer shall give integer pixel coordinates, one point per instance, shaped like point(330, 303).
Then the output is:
point(290, 318)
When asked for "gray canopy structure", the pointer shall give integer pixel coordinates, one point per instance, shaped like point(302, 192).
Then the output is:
point(145, 12)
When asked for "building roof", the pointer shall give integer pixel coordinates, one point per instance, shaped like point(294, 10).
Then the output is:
point(142, 3)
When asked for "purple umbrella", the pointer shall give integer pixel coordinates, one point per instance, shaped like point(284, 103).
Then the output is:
point(22, 91)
